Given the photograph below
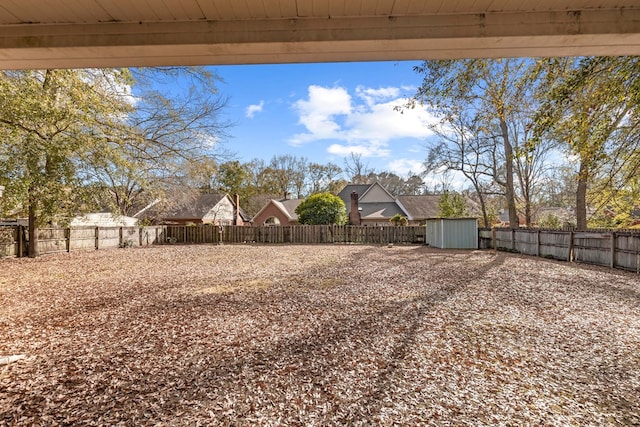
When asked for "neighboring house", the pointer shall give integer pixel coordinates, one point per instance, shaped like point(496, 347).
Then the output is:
point(369, 204)
point(503, 220)
point(216, 209)
point(278, 212)
point(419, 208)
point(103, 219)
point(372, 204)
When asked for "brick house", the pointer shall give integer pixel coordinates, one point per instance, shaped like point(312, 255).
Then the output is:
point(278, 212)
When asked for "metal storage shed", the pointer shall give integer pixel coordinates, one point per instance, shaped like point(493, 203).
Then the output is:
point(452, 233)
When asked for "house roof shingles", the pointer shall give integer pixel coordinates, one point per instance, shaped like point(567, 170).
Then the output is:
point(288, 206)
point(383, 210)
point(420, 207)
point(198, 208)
point(345, 193)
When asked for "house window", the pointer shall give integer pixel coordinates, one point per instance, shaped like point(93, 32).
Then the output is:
point(272, 220)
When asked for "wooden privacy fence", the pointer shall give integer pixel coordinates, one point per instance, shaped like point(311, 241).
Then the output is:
point(615, 249)
point(13, 239)
point(295, 234)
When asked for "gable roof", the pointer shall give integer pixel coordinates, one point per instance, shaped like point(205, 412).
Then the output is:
point(243, 215)
point(370, 193)
point(202, 204)
point(345, 193)
point(286, 206)
point(379, 205)
point(419, 207)
point(364, 190)
point(377, 211)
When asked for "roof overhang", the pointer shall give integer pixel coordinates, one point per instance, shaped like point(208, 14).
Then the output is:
point(114, 33)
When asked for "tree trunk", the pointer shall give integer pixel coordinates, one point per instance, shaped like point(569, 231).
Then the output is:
point(527, 214)
point(483, 206)
point(509, 187)
point(581, 197)
point(526, 195)
point(33, 224)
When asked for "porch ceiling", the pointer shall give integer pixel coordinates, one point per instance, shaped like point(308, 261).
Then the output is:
point(105, 33)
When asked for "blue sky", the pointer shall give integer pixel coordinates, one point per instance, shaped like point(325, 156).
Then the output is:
point(325, 111)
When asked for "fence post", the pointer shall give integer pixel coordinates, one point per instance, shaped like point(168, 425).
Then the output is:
point(97, 236)
point(20, 241)
point(513, 239)
point(637, 254)
point(570, 256)
point(613, 250)
point(538, 243)
point(68, 238)
point(493, 240)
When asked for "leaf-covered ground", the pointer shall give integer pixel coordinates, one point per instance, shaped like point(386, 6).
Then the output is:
point(316, 335)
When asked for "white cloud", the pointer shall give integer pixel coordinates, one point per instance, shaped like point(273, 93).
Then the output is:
point(371, 96)
point(364, 124)
point(253, 109)
point(318, 113)
point(403, 167)
point(365, 149)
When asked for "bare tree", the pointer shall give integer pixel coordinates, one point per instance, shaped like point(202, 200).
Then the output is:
point(356, 169)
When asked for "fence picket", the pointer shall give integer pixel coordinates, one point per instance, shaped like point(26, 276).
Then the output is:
point(608, 248)
point(619, 249)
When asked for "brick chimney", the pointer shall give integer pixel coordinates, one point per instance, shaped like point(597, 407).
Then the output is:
point(354, 212)
point(236, 210)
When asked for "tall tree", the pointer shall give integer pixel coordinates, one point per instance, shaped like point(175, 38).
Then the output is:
point(593, 109)
point(169, 136)
point(491, 92)
point(65, 131)
point(452, 205)
point(52, 121)
point(356, 169)
point(396, 184)
point(321, 178)
point(462, 147)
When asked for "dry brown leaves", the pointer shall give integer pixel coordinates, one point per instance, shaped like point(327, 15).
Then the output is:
point(316, 335)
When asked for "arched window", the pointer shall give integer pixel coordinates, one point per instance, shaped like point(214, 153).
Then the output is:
point(272, 220)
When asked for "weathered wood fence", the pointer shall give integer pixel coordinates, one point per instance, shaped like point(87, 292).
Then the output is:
point(13, 239)
point(615, 249)
point(296, 234)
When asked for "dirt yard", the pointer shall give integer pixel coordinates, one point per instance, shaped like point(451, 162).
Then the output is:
point(316, 335)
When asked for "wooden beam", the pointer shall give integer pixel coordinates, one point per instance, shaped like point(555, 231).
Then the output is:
point(113, 44)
